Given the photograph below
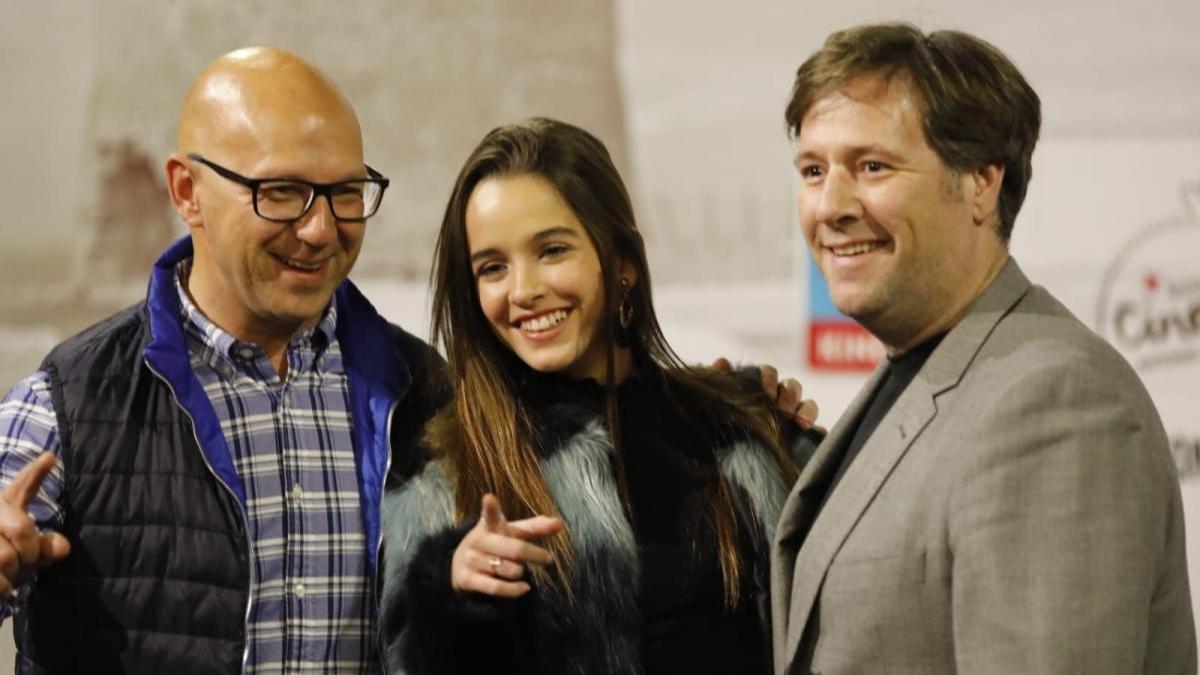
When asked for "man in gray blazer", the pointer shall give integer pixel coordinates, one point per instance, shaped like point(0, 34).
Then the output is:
point(1000, 497)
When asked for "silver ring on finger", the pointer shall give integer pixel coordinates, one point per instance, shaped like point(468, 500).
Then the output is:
point(494, 564)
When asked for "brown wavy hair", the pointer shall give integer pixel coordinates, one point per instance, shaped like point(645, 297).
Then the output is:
point(496, 447)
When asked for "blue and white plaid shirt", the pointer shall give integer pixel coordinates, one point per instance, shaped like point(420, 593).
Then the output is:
point(310, 598)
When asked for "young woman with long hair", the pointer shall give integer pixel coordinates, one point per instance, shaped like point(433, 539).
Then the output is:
point(645, 491)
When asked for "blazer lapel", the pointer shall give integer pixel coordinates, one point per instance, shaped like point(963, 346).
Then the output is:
point(803, 498)
point(801, 507)
point(798, 576)
point(879, 455)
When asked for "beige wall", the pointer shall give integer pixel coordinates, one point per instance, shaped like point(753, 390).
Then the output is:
point(92, 93)
point(687, 94)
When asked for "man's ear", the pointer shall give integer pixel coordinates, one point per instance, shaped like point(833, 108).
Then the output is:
point(182, 186)
point(985, 196)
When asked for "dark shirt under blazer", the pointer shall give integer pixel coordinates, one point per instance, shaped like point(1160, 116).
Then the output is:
point(1016, 511)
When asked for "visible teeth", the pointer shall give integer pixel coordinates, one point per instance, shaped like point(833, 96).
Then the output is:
point(545, 321)
point(855, 249)
point(310, 267)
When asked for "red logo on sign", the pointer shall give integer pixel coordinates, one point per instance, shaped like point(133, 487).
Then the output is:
point(840, 345)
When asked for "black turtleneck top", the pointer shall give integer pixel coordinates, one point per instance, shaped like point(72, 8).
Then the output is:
point(671, 472)
point(900, 373)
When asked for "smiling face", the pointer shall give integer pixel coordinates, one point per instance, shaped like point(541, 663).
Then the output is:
point(538, 276)
point(276, 276)
point(904, 242)
point(258, 279)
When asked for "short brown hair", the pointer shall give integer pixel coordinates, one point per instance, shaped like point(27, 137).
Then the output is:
point(978, 109)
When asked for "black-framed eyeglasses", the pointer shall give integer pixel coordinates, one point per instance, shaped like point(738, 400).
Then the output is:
point(287, 199)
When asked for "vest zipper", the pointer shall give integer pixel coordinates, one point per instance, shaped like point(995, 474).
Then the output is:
point(378, 585)
point(241, 510)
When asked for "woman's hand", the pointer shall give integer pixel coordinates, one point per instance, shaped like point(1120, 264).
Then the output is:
point(787, 395)
point(491, 559)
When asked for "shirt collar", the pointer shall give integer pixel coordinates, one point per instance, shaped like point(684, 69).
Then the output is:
point(233, 351)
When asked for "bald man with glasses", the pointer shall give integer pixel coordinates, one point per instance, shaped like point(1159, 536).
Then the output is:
point(193, 484)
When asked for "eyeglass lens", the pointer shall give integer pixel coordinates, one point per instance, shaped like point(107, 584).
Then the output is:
point(288, 200)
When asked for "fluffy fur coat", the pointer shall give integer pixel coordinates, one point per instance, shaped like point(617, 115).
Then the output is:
point(428, 628)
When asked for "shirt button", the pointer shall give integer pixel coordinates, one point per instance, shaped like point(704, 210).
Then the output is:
point(297, 491)
point(298, 589)
point(246, 353)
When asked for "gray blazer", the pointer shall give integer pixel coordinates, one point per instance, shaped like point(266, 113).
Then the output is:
point(1016, 511)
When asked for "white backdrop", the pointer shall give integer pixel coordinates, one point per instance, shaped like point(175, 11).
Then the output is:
point(701, 91)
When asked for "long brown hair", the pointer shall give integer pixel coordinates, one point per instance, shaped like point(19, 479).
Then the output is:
point(497, 452)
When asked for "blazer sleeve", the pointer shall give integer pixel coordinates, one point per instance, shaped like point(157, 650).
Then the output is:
point(1066, 531)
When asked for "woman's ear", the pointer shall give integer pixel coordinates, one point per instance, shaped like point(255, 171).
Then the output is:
point(627, 271)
